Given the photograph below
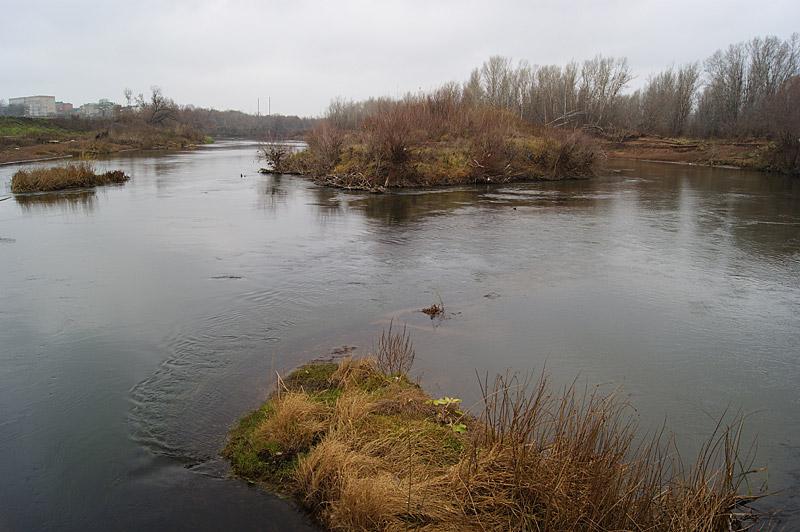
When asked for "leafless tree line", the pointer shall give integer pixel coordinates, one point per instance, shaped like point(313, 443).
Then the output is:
point(731, 94)
point(573, 95)
point(741, 83)
point(734, 93)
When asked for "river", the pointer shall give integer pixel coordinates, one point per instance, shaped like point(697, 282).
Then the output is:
point(138, 322)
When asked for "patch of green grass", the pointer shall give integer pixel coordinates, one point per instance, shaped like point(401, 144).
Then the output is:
point(328, 397)
point(243, 451)
point(31, 127)
point(311, 378)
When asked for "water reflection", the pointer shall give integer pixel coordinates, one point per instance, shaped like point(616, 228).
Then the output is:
point(413, 207)
point(757, 212)
point(328, 204)
point(272, 192)
point(84, 201)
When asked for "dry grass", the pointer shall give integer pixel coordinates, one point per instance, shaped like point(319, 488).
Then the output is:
point(374, 452)
point(73, 175)
point(296, 422)
point(441, 138)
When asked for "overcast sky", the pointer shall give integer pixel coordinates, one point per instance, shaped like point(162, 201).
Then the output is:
point(227, 54)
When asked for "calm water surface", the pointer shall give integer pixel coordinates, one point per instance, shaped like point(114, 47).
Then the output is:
point(138, 322)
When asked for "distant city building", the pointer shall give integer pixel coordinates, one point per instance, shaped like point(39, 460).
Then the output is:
point(64, 108)
point(89, 110)
point(102, 109)
point(36, 105)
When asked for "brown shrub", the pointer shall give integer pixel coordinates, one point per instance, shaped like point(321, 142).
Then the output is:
point(325, 144)
point(395, 353)
point(435, 139)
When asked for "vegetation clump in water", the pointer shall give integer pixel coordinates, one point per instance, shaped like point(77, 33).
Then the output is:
point(73, 175)
point(442, 138)
point(361, 446)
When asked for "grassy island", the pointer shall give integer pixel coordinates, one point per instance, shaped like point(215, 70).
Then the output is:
point(442, 138)
point(73, 175)
point(362, 447)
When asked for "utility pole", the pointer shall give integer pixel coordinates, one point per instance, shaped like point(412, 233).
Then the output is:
point(258, 109)
point(269, 105)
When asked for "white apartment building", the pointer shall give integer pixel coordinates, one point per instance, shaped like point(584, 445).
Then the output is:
point(36, 105)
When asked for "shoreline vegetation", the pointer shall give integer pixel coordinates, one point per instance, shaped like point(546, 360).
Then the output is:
point(64, 177)
point(435, 139)
point(30, 139)
point(521, 122)
point(155, 122)
point(361, 446)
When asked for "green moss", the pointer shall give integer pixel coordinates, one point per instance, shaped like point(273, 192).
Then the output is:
point(328, 397)
point(264, 461)
point(311, 378)
point(244, 451)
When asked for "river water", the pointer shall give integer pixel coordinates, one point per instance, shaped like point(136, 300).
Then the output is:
point(137, 322)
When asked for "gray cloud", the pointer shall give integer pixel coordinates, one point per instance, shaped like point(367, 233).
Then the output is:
point(226, 54)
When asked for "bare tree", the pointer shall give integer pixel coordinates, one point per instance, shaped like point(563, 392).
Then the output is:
point(602, 80)
point(741, 80)
point(783, 113)
point(667, 100)
point(160, 109)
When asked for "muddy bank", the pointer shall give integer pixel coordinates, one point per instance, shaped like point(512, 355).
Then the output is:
point(67, 150)
point(698, 152)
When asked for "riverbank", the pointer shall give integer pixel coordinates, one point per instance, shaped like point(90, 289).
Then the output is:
point(749, 154)
point(24, 140)
point(361, 446)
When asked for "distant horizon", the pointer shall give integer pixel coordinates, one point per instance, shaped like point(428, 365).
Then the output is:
point(303, 54)
point(6, 101)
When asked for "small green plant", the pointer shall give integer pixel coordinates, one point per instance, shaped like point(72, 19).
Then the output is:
point(444, 401)
point(458, 428)
point(449, 414)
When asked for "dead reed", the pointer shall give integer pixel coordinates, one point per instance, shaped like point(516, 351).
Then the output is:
point(395, 354)
point(72, 175)
point(371, 451)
